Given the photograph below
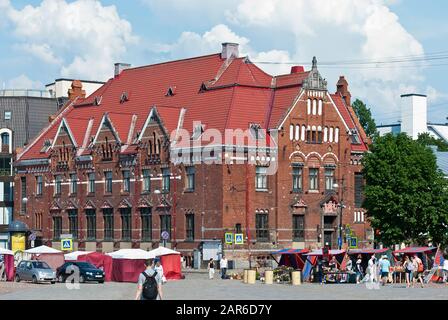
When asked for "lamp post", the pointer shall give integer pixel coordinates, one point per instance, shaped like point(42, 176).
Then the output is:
point(341, 206)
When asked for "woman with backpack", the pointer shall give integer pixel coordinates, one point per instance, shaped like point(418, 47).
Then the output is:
point(409, 268)
point(419, 268)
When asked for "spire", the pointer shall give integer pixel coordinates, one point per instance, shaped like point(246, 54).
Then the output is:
point(314, 63)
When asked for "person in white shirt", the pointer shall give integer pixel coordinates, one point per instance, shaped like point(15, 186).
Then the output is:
point(223, 265)
point(372, 268)
point(159, 269)
point(445, 270)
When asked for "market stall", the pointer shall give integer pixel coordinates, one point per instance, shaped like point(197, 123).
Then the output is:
point(426, 254)
point(73, 256)
point(8, 259)
point(99, 260)
point(170, 261)
point(315, 255)
point(54, 258)
point(128, 264)
point(294, 258)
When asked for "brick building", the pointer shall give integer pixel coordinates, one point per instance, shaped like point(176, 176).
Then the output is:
point(141, 156)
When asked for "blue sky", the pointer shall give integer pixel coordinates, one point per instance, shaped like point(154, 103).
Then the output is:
point(48, 39)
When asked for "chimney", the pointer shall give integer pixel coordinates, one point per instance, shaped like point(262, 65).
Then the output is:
point(297, 69)
point(230, 50)
point(76, 90)
point(342, 89)
point(414, 109)
point(119, 67)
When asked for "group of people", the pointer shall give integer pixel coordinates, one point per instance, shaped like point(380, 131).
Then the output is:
point(223, 265)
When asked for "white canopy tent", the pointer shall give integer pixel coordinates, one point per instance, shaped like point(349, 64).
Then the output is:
point(132, 254)
point(162, 251)
point(73, 256)
point(6, 251)
point(42, 250)
point(318, 252)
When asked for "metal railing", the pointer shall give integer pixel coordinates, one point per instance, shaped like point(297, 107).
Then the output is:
point(25, 93)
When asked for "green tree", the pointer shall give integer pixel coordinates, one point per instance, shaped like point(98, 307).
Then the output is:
point(406, 194)
point(428, 140)
point(365, 117)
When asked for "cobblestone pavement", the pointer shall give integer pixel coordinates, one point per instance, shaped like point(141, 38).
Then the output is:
point(196, 286)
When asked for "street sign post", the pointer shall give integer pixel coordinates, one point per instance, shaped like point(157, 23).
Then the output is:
point(229, 238)
point(239, 238)
point(67, 244)
point(165, 236)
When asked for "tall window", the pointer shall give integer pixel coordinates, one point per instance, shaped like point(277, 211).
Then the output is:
point(298, 228)
point(5, 166)
point(314, 178)
point(73, 222)
point(165, 224)
point(58, 185)
point(190, 181)
point(146, 180)
point(166, 180)
point(91, 224)
point(146, 224)
point(262, 227)
point(126, 181)
point(5, 215)
point(108, 181)
point(23, 195)
point(359, 190)
point(5, 140)
point(73, 183)
point(8, 192)
point(57, 228)
point(297, 178)
point(189, 227)
point(261, 178)
point(39, 185)
point(91, 185)
point(329, 179)
point(126, 226)
point(108, 215)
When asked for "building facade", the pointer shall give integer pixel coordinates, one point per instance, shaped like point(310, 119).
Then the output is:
point(23, 113)
point(198, 148)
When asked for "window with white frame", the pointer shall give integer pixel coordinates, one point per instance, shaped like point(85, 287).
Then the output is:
point(261, 178)
point(359, 217)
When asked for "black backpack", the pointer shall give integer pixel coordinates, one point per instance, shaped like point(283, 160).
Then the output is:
point(150, 290)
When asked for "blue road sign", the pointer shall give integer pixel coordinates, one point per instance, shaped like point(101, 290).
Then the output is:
point(339, 242)
point(67, 244)
point(239, 238)
point(165, 235)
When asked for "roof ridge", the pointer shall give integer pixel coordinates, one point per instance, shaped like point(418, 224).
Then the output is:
point(171, 61)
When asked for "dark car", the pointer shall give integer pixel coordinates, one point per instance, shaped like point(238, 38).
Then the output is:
point(79, 272)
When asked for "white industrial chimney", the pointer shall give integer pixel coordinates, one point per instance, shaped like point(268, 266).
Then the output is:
point(414, 118)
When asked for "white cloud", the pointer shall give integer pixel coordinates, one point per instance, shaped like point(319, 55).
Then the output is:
point(23, 82)
point(84, 36)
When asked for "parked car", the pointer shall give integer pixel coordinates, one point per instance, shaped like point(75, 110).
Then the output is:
point(35, 271)
point(87, 272)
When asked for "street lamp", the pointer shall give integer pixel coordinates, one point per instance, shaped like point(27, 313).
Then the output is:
point(341, 206)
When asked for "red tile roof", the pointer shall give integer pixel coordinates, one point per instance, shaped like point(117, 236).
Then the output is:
point(237, 94)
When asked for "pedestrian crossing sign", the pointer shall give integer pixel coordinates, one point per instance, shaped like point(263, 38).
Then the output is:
point(67, 245)
point(229, 238)
point(239, 238)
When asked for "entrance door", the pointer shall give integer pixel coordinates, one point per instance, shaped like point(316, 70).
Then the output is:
point(328, 238)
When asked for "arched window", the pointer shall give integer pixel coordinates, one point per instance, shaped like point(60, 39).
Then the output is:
point(5, 139)
point(308, 109)
point(291, 132)
point(297, 136)
point(319, 109)
point(330, 138)
point(155, 142)
point(303, 135)
point(325, 134)
point(319, 134)
point(336, 135)
point(159, 146)
point(314, 107)
point(150, 147)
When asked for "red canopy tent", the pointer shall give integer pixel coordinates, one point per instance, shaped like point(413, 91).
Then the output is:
point(171, 267)
point(128, 264)
point(54, 260)
point(366, 251)
point(292, 258)
point(101, 261)
point(8, 258)
point(414, 250)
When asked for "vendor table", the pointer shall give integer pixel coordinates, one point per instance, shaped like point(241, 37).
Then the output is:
point(338, 275)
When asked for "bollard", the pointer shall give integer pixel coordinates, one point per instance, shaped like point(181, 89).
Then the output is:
point(245, 276)
point(251, 276)
point(269, 277)
point(296, 278)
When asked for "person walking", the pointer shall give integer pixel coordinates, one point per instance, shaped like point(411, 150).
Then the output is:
point(409, 268)
point(359, 269)
point(159, 269)
point(385, 268)
point(211, 269)
point(223, 264)
point(419, 268)
point(372, 270)
point(149, 283)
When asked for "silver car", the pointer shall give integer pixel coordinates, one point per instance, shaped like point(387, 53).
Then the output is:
point(35, 271)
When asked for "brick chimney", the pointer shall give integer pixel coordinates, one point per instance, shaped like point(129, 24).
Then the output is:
point(76, 90)
point(230, 49)
point(119, 67)
point(342, 89)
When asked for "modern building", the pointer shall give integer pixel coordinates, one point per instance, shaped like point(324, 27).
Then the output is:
point(23, 114)
point(186, 151)
point(414, 114)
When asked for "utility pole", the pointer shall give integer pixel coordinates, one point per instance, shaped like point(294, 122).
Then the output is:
point(247, 209)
